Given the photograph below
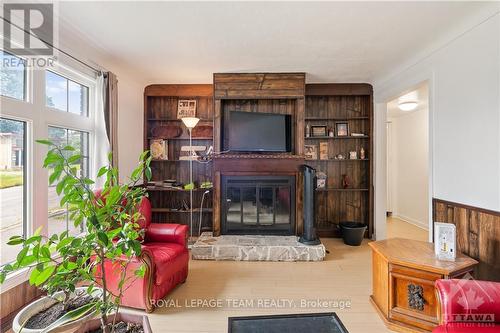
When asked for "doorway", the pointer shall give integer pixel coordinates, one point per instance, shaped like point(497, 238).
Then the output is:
point(408, 159)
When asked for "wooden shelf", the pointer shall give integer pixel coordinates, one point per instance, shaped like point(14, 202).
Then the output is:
point(177, 120)
point(336, 137)
point(169, 189)
point(175, 161)
point(158, 138)
point(336, 119)
point(174, 211)
point(334, 160)
point(342, 190)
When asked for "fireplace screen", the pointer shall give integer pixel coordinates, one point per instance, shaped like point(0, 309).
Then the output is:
point(258, 205)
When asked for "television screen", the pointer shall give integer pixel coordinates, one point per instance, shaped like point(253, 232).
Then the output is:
point(257, 132)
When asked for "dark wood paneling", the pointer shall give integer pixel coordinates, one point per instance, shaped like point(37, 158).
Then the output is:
point(13, 300)
point(258, 85)
point(326, 104)
point(340, 89)
point(160, 108)
point(478, 234)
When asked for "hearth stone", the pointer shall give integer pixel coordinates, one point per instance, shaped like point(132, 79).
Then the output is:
point(255, 248)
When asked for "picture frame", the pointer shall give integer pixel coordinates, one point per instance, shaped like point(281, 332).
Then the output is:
point(186, 108)
point(159, 149)
point(319, 131)
point(445, 241)
point(341, 129)
point(311, 152)
point(323, 150)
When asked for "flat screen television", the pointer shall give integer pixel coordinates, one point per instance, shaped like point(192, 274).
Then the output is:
point(257, 132)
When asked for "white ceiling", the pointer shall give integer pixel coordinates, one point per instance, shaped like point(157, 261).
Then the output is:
point(166, 42)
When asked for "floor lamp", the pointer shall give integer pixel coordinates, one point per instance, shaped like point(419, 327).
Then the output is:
point(190, 123)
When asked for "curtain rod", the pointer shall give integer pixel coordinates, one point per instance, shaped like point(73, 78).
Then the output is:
point(98, 71)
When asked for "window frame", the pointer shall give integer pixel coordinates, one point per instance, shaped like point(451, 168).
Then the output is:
point(68, 80)
point(33, 111)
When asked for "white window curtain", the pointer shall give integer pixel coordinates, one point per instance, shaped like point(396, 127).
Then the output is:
point(101, 141)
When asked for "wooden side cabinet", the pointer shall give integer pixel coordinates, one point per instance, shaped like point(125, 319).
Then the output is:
point(404, 272)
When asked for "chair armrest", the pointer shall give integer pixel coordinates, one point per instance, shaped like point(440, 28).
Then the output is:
point(468, 297)
point(167, 233)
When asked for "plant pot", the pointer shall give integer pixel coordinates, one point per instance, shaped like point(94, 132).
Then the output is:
point(42, 304)
point(126, 317)
point(352, 233)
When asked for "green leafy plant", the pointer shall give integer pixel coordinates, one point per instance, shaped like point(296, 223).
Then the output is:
point(112, 234)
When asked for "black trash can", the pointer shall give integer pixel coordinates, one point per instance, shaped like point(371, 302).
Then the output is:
point(352, 232)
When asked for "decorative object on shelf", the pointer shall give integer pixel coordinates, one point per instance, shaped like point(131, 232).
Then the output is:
point(190, 123)
point(166, 131)
point(342, 129)
point(186, 108)
point(362, 153)
point(331, 133)
point(191, 152)
point(159, 149)
point(353, 155)
point(311, 152)
point(206, 184)
point(415, 297)
point(323, 150)
point(321, 180)
point(339, 157)
point(346, 182)
point(308, 131)
point(318, 130)
point(358, 134)
point(445, 241)
point(203, 131)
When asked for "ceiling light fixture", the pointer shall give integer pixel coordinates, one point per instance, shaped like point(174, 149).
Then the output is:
point(407, 106)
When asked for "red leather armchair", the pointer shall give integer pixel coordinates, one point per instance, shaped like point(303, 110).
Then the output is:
point(165, 254)
point(468, 306)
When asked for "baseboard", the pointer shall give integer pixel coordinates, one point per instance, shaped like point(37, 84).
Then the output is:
point(414, 222)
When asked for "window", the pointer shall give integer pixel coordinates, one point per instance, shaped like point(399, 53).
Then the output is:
point(13, 76)
point(12, 185)
point(59, 218)
point(65, 95)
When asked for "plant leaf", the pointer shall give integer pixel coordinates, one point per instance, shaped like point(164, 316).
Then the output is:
point(44, 275)
point(71, 316)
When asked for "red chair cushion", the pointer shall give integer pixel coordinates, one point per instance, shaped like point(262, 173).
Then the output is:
point(167, 258)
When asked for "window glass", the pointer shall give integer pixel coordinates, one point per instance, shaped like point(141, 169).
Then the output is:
point(13, 76)
point(65, 95)
point(56, 91)
point(12, 185)
point(59, 218)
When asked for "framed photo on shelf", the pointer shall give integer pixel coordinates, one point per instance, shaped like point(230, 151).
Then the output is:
point(311, 152)
point(186, 108)
point(319, 130)
point(342, 129)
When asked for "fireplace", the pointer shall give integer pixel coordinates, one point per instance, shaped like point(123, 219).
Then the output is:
point(258, 205)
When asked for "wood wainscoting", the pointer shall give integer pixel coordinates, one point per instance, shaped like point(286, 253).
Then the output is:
point(478, 234)
point(12, 300)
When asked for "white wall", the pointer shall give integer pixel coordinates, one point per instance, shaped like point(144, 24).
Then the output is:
point(130, 94)
point(410, 165)
point(464, 84)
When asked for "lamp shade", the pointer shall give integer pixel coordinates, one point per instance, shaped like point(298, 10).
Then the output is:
point(190, 122)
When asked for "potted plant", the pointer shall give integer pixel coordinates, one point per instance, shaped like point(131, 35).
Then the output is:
point(62, 262)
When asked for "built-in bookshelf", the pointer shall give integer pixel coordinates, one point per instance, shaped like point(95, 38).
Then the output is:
point(171, 204)
point(328, 105)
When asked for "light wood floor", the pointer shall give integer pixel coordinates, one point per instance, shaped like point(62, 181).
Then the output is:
point(399, 228)
point(344, 275)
